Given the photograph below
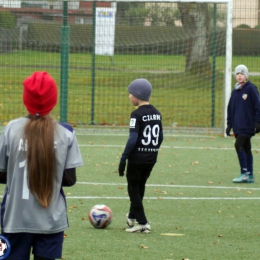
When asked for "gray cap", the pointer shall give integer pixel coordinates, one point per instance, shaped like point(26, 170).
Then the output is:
point(140, 88)
point(242, 69)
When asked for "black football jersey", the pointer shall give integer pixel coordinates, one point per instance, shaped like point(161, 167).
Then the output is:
point(147, 122)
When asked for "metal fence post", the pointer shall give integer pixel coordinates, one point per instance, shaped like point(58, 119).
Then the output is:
point(65, 33)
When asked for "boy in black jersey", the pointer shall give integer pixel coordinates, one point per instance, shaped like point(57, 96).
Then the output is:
point(145, 138)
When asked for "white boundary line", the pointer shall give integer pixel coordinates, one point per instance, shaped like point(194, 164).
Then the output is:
point(163, 147)
point(166, 198)
point(162, 198)
point(172, 186)
point(168, 147)
point(166, 134)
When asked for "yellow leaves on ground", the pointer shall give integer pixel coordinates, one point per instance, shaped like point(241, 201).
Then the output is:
point(172, 234)
point(160, 192)
point(194, 163)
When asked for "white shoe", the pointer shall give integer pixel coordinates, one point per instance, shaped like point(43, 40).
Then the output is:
point(130, 222)
point(140, 228)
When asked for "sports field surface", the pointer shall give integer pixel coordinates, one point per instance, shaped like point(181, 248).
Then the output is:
point(195, 210)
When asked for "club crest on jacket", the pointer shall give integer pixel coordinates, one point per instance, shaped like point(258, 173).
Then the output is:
point(244, 96)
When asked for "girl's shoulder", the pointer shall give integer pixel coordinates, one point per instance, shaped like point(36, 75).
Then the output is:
point(66, 126)
point(16, 123)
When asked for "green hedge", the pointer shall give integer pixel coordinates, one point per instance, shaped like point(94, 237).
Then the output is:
point(246, 41)
point(138, 39)
point(47, 37)
point(7, 19)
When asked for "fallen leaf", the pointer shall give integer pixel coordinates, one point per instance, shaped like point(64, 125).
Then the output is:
point(196, 162)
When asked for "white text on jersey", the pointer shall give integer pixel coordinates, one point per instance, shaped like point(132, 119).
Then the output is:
point(151, 117)
point(23, 145)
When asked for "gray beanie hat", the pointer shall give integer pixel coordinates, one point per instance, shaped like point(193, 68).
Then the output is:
point(242, 69)
point(140, 88)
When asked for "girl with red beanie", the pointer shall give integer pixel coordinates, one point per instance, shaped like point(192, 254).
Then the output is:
point(38, 156)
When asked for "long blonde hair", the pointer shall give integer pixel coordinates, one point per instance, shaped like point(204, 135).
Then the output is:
point(41, 161)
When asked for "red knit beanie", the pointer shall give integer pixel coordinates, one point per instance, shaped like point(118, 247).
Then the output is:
point(40, 93)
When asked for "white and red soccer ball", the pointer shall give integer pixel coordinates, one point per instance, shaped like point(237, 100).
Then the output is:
point(100, 216)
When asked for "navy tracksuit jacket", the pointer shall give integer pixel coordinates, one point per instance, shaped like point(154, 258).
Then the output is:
point(244, 110)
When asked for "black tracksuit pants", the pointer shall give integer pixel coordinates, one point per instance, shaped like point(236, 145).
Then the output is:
point(137, 175)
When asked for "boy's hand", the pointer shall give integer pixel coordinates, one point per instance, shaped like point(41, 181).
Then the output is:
point(121, 168)
point(257, 128)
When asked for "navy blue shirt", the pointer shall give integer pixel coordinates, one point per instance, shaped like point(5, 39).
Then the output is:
point(244, 110)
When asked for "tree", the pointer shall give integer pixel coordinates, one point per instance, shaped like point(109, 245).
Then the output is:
point(7, 19)
point(195, 21)
point(160, 15)
point(131, 13)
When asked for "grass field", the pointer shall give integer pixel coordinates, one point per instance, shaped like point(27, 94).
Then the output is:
point(195, 210)
point(184, 99)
